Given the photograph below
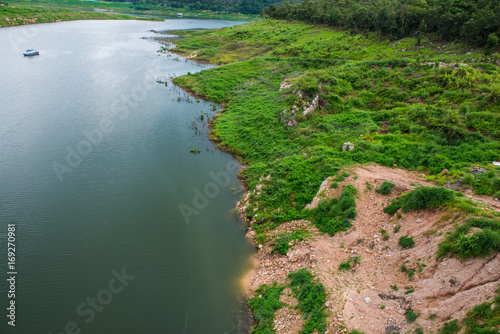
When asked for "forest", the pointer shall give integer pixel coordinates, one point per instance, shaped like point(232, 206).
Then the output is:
point(470, 21)
point(231, 6)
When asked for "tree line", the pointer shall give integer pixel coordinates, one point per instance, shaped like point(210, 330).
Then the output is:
point(473, 21)
point(230, 6)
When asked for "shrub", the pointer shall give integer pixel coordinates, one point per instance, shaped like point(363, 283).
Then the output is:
point(385, 188)
point(347, 265)
point(411, 316)
point(283, 241)
point(406, 242)
point(425, 197)
point(334, 215)
point(312, 297)
point(392, 208)
point(421, 198)
point(468, 179)
point(451, 327)
point(263, 308)
point(481, 243)
point(344, 266)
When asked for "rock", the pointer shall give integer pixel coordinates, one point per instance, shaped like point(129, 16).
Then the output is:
point(477, 170)
point(347, 146)
point(310, 107)
point(367, 299)
point(285, 85)
point(444, 171)
point(391, 329)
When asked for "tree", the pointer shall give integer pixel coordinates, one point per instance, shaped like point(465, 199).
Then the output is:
point(491, 44)
point(422, 28)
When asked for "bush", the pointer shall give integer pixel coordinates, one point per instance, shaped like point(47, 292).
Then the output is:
point(421, 198)
point(263, 308)
point(425, 197)
point(312, 297)
point(385, 188)
point(334, 215)
point(451, 327)
point(411, 316)
point(468, 179)
point(481, 243)
point(283, 241)
point(406, 242)
point(392, 208)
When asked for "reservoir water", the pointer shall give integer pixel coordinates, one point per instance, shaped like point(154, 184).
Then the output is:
point(119, 228)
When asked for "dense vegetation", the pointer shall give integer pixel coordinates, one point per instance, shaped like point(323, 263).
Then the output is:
point(421, 198)
point(312, 298)
point(336, 214)
point(392, 103)
point(264, 304)
point(310, 294)
point(240, 6)
point(472, 21)
point(464, 244)
point(415, 103)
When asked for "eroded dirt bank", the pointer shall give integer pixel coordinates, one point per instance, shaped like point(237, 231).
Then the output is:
point(375, 293)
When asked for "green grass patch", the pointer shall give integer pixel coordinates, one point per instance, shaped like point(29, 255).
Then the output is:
point(464, 244)
point(264, 304)
point(336, 215)
point(385, 188)
point(283, 241)
point(312, 297)
point(421, 198)
point(406, 241)
point(346, 265)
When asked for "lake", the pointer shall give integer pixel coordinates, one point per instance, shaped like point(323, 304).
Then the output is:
point(119, 228)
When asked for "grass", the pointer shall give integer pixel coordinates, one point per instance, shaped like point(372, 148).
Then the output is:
point(406, 242)
point(282, 242)
point(147, 11)
point(336, 215)
point(484, 318)
point(312, 297)
point(265, 302)
point(484, 241)
point(343, 266)
point(421, 198)
point(385, 188)
point(19, 14)
point(396, 107)
point(411, 316)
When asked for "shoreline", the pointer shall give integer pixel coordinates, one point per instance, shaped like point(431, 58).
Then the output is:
point(248, 277)
point(50, 16)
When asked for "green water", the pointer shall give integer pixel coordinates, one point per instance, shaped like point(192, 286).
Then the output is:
point(119, 228)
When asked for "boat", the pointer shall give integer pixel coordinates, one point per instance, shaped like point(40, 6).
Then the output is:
point(179, 14)
point(31, 52)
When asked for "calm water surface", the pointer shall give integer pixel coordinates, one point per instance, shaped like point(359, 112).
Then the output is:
point(95, 166)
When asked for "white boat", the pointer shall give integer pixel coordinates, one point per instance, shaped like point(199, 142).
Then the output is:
point(31, 52)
